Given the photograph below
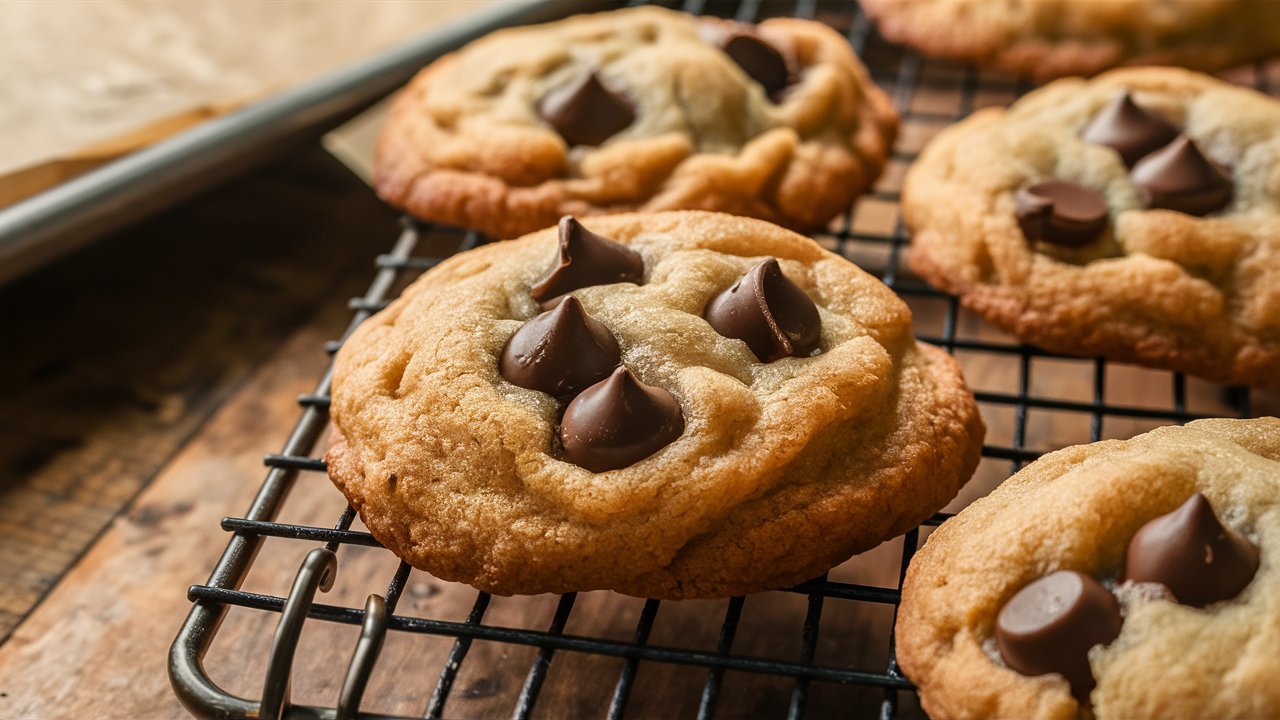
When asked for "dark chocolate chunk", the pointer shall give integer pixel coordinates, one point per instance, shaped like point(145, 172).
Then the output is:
point(1125, 127)
point(619, 421)
point(1061, 212)
point(1179, 177)
point(560, 351)
point(771, 314)
point(759, 60)
point(1190, 552)
point(585, 111)
point(1049, 626)
point(587, 259)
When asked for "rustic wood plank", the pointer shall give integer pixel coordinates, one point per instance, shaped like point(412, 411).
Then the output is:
point(106, 628)
point(115, 356)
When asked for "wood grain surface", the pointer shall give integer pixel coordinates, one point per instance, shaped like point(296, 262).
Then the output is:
point(119, 354)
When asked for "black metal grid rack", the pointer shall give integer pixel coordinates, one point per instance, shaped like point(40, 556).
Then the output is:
point(928, 96)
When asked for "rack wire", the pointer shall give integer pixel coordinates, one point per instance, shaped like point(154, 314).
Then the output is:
point(1021, 388)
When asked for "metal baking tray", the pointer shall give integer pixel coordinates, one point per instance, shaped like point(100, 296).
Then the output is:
point(69, 215)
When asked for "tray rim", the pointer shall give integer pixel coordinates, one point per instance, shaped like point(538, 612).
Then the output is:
point(70, 215)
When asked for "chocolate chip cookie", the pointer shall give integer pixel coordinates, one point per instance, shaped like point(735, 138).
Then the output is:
point(1126, 579)
point(637, 109)
point(1134, 216)
point(1048, 39)
point(681, 404)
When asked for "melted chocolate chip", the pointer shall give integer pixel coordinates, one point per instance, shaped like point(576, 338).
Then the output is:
point(1061, 212)
point(759, 60)
point(560, 351)
point(585, 111)
point(586, 259)
point(771, 314)
point(1179, 177)
point(1049, 626)
point(1190, 552)
point(618, 421)
point(1125, 127)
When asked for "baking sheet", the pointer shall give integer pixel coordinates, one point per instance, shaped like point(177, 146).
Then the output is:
point(107, 77)
point(161, 174)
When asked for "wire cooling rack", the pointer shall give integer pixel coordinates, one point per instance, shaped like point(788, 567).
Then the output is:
point(821, 649)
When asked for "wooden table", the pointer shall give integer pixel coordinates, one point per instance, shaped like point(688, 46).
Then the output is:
point(173, 347)
point(143, 379)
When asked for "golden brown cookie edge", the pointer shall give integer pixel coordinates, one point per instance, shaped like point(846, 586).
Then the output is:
point(1040, 58)
point(491, 205)
point(953, 444)
point(956, 679)
point(1215, 353)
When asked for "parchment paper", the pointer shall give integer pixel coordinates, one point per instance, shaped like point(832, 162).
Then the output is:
point(84, 82)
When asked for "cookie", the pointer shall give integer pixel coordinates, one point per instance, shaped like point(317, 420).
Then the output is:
point(1134, 216)
point(1048, 39)
point(637, 109)
point(744, 413)
point(1141, 577)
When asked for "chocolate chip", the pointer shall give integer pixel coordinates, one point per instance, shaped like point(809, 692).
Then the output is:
point(1179, 177)
point(1125, 127)
point(585, 111)
point(759, 60)
point(560, 351)
point(1049, 626)
point(1190, 552)
point(586, 259)
point(618, 421)
point(1061, 212)
point(771, 314)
